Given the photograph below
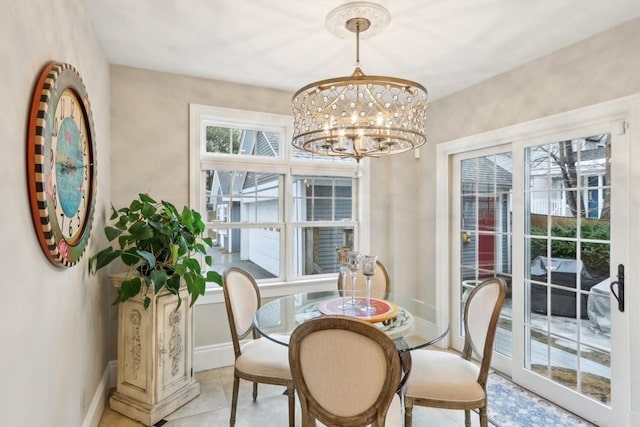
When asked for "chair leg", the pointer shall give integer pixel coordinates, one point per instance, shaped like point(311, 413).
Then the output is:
point(255, 391)
point(292, 405)
point(483, 417)
point(467, 418)
point(408, 412)
point(234, 400)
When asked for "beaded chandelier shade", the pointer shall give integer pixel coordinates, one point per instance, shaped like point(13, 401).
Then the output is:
point(359, 116)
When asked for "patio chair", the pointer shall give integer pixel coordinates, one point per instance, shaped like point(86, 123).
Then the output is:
point(259, 360)
point(446, 380)
point(346, 373)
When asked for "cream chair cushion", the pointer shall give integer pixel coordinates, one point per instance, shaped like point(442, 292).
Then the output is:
point(478, 317)
point(334, 388)
point(264, 358)
point(450, 378)
point(242, 299)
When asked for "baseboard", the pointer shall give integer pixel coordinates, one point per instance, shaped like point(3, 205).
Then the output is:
point(101, 395)
point(212, 357)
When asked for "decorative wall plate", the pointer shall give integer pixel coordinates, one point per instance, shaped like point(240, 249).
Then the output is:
point(61, 164)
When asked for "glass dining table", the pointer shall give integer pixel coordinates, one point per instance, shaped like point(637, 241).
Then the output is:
point(409, 322)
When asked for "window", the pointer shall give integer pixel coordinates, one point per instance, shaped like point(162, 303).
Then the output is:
point(270, 209)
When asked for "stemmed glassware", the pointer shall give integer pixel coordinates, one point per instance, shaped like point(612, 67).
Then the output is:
point(369, 269)
point(354, 262)
point(343, 261)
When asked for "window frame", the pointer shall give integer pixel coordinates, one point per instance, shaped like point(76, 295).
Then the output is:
point(201, 116)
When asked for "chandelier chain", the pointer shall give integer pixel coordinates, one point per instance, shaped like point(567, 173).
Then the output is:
point(358, 44)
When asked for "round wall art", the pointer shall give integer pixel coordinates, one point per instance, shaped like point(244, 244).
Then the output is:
point(61, 164)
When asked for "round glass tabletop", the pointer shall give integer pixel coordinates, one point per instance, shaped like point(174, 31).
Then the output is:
point(409, 322)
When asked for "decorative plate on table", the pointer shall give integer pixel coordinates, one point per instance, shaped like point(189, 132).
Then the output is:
point(384, 310)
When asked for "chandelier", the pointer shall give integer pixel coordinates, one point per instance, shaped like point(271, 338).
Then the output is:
point(359, 116)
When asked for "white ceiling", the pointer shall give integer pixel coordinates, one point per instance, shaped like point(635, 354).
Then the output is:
point(446, 45)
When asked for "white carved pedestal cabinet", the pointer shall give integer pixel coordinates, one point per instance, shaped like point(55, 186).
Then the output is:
point(155, 375)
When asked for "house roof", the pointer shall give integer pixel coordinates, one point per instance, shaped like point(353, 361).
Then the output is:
point(261, 143)
point(482, 170)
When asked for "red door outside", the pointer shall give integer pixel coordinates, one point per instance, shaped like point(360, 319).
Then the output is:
point(486, 242)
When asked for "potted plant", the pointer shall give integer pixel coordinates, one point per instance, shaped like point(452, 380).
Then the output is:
point(161, 246)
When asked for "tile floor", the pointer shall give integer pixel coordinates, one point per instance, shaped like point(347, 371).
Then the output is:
point(212, 407)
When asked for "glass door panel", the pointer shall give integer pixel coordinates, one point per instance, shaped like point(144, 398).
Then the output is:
point(567, 245)
point(485, 229)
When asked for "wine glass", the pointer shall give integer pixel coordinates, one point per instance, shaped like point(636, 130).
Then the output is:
point(343, 261)
point(355, 262)
point(369, 269)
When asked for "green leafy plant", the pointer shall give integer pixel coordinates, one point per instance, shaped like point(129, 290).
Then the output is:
point(161, 246)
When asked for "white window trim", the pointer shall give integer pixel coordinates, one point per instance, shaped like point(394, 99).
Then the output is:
point(200, 114)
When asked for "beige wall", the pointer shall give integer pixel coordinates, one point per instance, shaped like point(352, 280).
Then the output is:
point(603, 67)
point(600, 68)
point(150, 132)
point(55, 324)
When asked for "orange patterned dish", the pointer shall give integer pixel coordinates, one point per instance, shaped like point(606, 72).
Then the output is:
point(384, 310)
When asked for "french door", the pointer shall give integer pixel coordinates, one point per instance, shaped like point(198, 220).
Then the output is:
point(549, 214)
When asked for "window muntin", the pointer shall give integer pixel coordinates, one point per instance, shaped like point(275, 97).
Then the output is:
point(243, 196)
point(305, 155)
point(318, 198)
point(254, 249)
point(317, 248)
point(241, 141)
point(245, 177)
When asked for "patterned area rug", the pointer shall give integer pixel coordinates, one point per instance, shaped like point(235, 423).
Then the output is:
point(512, 406)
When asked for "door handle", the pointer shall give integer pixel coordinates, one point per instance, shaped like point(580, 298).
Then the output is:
point(620, 285)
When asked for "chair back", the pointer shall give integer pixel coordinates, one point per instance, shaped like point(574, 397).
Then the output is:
point(345, 371)
point(481, 314)
point(242, 300)
point(380, 282)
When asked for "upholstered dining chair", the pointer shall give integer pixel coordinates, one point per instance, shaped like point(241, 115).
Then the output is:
point(380, 283)
point(258, 360)
point(355, 383)
point(451, 381)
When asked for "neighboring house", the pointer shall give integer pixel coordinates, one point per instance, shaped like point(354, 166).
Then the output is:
point(248, 197)
point(486, 216)
point(592, 170)
point(240, 197)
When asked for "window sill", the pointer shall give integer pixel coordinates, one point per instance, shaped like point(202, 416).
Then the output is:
point(214, 294)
